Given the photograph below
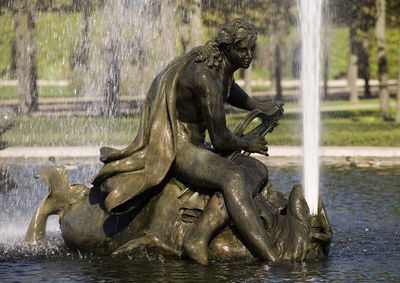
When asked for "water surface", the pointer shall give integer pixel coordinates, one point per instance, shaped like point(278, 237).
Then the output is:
point(363, 206)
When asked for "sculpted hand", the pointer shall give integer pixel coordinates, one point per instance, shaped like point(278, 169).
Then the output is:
point(272, 109)
point(108, 154)
point(256, 144)
point(320, 236)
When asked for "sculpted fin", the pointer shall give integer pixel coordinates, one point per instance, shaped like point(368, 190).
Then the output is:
point(56, 200)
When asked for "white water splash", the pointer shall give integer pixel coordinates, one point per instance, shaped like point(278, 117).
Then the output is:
point(310, 23)
point(139, 37)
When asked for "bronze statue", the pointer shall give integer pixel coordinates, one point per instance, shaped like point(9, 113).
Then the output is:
point(172, 191)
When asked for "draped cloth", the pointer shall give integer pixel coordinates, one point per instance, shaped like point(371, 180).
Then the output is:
point(154, 145)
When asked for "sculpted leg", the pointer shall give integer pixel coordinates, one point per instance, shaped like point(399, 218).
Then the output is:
point(131, 163)
point(246, 219)
point(206, 169)
point(215, 217)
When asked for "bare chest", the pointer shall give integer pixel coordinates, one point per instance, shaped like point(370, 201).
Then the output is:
point(189, 101)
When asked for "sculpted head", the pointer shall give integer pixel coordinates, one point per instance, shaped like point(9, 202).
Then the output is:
point(236, 39)
point(234, 31)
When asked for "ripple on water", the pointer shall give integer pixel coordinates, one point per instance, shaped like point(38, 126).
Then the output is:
point(362, 206)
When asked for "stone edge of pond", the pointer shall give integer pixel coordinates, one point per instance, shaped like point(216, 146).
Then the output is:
point(279, 156)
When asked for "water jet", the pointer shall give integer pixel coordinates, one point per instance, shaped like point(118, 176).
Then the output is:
point(310, 25)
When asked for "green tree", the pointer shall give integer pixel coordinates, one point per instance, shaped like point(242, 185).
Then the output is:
point(382, 61)
point(359, 16)
point(26, 55)
point(393, 19)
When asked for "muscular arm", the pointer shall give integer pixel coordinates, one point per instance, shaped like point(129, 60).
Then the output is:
point(212, 107)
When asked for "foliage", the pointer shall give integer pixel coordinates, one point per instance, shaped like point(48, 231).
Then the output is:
point(55, 37)
point(58, 30)
point(392, 39)
point(393, 12)
point(6, 35)
point(345, 12)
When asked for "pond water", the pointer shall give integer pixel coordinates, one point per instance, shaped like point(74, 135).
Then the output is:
point(363, 207)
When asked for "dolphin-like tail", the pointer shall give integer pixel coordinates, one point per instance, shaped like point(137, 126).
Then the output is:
point(55, 201)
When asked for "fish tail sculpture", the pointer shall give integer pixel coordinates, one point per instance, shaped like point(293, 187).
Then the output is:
point(60, 196)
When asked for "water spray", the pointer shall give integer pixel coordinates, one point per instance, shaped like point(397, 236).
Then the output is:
point(310, 24)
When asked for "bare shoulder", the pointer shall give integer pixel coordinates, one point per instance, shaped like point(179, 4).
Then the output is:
point(199, 76)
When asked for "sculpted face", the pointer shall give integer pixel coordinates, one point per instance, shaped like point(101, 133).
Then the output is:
point(241, 53)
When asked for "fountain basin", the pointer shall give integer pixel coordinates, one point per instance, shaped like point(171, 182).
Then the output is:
point(362, 204)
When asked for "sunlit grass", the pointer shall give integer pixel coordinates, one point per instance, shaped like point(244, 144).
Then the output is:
point(344, 128)
point(71, 131)
point(10, 92)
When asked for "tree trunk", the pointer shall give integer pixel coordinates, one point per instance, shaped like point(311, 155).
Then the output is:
point(271, 51)
point(20, 50)
point(278, 73)
point(26, 57)
point(352, 73)
point(32, 70)
point(279, 23)
point(76, 4)
point(84, 52)
point(80, 59)
point(41, 5)
point(364, 63)
point(13, 70)
point(398, 84)
point(112, 52)
point(326, 76)
point(326, 51)
point(196, 23)
point(185, 27)
point(112, 81)
point(382, 62)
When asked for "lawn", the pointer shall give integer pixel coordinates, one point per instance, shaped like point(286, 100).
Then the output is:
point(344, 128)
point(71, 131)
point(10, 92)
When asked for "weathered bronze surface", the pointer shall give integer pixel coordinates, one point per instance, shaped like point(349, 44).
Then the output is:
point(173, 193)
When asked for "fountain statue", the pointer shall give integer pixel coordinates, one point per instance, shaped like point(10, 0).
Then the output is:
point(173, 193)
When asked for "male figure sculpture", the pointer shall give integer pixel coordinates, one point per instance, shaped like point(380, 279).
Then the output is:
point(186, 99)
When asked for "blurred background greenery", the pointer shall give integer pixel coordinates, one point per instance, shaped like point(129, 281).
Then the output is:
point(48, 49)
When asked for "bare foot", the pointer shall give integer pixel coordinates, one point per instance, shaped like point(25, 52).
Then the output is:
point(148, 241)
point(196, 249)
